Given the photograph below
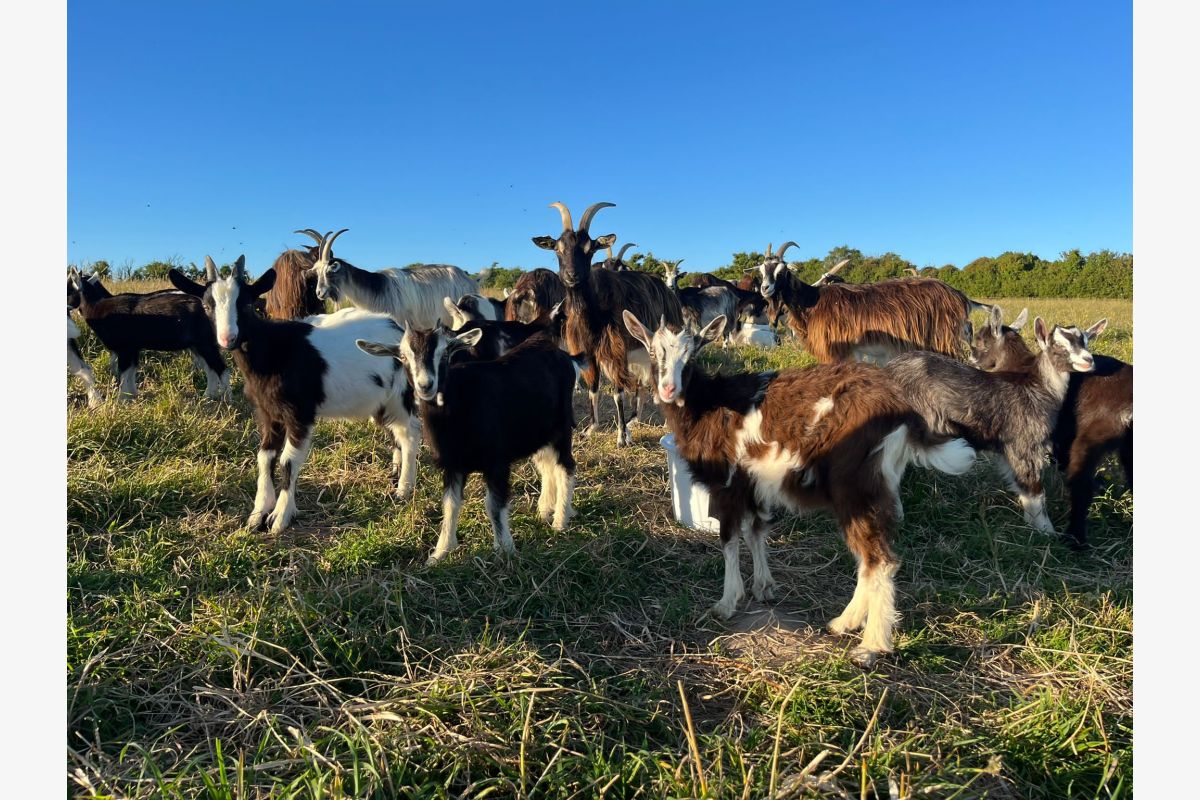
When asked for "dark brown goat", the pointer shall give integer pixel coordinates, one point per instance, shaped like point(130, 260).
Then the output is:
point(1096, 416)
point(534, 296)
point(594, 302)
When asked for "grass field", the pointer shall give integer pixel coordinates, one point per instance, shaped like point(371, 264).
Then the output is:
point(205, 660)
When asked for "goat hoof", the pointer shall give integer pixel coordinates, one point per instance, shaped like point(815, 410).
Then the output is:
point(257, 521)
point(864, 658)
point(723, 611)
point(766, 592)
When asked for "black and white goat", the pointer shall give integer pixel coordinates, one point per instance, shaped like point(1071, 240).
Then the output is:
point(1010, 413)
point(1096, 416)
point(500, 336)
point(409, 293)
point(76, 365)
point(478, 307)
point(481, 416)
point(835, 436)
point(126, 324)
point(299, 370)
point(701, 306)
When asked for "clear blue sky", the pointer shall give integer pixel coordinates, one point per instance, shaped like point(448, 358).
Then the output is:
point(440, 132)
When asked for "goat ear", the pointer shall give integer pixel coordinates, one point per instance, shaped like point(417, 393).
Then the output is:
point(607, 240)
point(457, 317)
point(1021, 319)
point(377, 349)
point(185, 284)
point(545, 242)
point(1041, 332)
point(507, 292)
point(263, 284)
point(468, 339)
point(1095, 330)
point(636, 329)
point(712, 331)
point(210, 269)
point(996, 320)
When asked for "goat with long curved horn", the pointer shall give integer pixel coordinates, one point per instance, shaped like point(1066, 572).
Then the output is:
point(566, 216)
point(586, 220)
point(783, 247)
point(327, 245)
point(316, 237)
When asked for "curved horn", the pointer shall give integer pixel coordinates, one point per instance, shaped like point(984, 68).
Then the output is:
point(316, 237)
point(566, 216)
point(768, 249)
point(624, 247)
point(210, 269)
point(838, 266)
point(586, 219)
point(327, 247)
point(783, 247)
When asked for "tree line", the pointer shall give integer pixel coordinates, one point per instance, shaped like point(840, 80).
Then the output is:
point(1099, 274)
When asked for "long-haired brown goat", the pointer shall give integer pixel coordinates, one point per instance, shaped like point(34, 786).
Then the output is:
point(534, 296)
point(595, 299)
point(294, 295)
point(875, 321)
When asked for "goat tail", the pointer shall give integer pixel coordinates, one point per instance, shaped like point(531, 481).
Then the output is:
point(948, 454)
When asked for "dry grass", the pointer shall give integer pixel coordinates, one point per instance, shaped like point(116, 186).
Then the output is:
point(205, 660)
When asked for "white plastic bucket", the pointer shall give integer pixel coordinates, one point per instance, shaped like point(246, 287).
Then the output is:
point(689, 500)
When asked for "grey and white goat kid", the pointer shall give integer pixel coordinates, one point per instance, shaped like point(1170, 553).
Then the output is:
point(481, 416)
point(300, 370)
point(1009, 413)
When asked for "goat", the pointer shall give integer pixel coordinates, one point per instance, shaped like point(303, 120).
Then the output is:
point(750, 304)
point(701, 306)
point(533, 296)
point(299, 370)
point(294, 295)
point(76, 364)
point(616, 264)
point(410, 293)
point(128, 323)
point(870, 321)
point(498, 337)
point(1009, 413)
point(1096, 417)
point(475, 307)
point(481, 416)
point(833, 436)
point(593, 306)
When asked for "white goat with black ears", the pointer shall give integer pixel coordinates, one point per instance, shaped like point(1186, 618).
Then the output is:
point(299, 370)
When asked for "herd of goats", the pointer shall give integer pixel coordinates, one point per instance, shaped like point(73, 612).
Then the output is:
point(903, 377)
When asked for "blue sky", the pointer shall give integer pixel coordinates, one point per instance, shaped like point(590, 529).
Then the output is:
point(440, 132)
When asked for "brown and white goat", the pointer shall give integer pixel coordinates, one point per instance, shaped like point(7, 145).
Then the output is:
point(595, 299)
point(833, 436)
point(534, 296)
point(1096, 417)
point(869, 321)
point(1009, 413)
